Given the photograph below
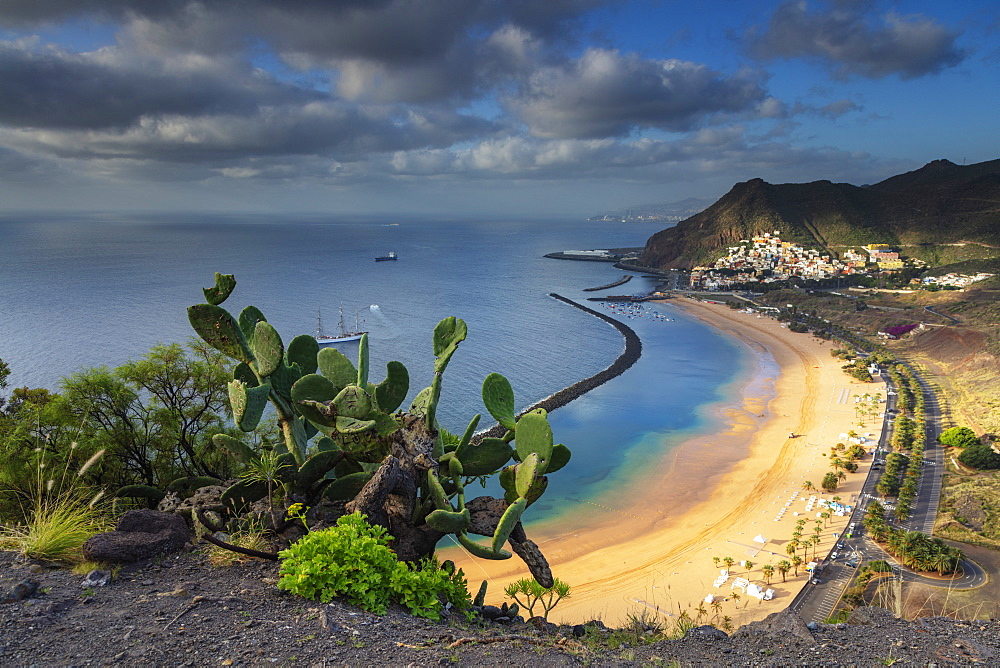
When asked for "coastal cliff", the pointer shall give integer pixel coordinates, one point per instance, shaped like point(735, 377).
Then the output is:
point(939, 203)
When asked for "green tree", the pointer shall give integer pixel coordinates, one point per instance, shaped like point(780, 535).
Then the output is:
point(783, 567)
point(980, 456)
point(829, 483)
point(155, 417)
point(958, 437)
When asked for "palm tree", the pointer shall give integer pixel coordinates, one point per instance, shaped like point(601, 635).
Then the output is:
point(826, 518)
point(842, 475)
point(796, 562)
point(767, 570)
point(792, 546)
point(715, 560)
point(728, 561)
point(783, 568)
point(829, 483)
point(716, 605)
point(941, 561)
point(807, 485)
point(749, 566)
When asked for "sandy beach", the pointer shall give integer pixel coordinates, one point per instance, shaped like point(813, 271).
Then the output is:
point(653, 552)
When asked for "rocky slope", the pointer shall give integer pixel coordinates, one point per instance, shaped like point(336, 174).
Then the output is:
point(179, 610)
point(939, 203)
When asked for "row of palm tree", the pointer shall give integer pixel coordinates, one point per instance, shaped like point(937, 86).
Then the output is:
point(914, 549)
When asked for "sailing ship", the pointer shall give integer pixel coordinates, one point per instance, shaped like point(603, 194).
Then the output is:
point(324, 339)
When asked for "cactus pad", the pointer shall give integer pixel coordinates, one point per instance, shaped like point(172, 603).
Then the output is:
point(302, 350)
point(498, 397)
point(507, 522)
point(235, 447)
point(449, 522)
point(267, 348)
point(224, 285)
point(489, 456)
point(525, 474)
point(347, 487)
point(534, 435)
point(217, 327)
point(447, 335)
point(248, 403)
point(337, 368)
point(389, 394)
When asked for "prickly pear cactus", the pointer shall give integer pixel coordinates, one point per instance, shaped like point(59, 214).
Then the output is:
point(343, 437)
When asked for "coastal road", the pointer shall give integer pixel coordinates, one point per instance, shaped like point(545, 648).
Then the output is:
point(816, 602)
point(925, 505)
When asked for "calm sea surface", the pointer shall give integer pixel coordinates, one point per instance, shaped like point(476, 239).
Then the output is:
point(79, 292)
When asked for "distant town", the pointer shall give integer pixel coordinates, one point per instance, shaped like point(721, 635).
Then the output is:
point(768, 259)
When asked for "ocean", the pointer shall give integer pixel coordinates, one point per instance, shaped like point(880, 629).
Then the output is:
point(84, 291)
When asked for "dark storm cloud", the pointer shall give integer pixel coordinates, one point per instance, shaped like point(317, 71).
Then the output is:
point(844, 37)
point(53, 89)
point(407, 51)
point(607, 94)
point(382, 30)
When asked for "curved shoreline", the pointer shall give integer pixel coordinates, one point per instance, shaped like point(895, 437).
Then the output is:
point(653, 548)
point(628, 357)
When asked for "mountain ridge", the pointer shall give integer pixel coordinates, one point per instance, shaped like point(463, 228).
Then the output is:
point(940, 203)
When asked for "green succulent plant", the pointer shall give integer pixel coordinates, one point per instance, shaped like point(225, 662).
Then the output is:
point(343, 437)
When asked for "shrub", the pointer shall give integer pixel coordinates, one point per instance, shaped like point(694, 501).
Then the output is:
point(353, 560)
point(421, 589)
point(980, 456)
point(958, 437)
point(62, 513)
point(56, 531)
point(528, 593)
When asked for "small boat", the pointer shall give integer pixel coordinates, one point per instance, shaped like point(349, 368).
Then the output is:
point(327, 340)
point(391, 255)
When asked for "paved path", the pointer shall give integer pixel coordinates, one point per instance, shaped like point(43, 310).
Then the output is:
point(816, 602)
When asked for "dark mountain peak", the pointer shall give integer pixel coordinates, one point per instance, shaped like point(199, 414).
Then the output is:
point(939, 203)
point(938, 173)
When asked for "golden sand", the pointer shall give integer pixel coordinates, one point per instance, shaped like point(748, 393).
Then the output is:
point(711, 497)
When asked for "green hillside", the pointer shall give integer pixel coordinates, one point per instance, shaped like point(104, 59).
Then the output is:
point(940, 203)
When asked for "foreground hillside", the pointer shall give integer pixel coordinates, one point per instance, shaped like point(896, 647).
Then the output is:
point(183, 611)
point(940, 203)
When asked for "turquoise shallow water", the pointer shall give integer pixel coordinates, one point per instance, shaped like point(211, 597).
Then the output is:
point(77, 292)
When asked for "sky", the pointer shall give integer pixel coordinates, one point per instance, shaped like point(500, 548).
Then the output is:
point(479, 107)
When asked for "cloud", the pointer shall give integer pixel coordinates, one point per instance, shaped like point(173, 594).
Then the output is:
point(50, 88)
point(848, 41)
point(332, 130)
point(606, 94)
point(383, 50)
